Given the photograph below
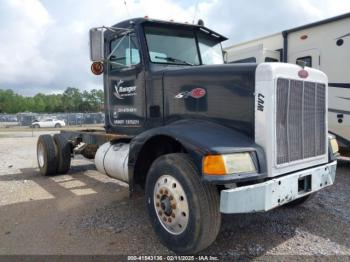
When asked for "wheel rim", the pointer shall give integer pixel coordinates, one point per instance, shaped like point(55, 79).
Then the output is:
point(41, 152)
point(170, 203)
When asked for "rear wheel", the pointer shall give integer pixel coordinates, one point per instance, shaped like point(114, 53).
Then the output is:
point(63, 153)
point(47, 155)
point(183, 210)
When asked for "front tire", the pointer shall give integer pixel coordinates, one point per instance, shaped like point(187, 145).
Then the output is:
point(47, 155)
point(183, 210)
point(58, 125)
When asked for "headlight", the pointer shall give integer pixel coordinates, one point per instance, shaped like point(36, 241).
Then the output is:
point(228, 164)
point(334, 145)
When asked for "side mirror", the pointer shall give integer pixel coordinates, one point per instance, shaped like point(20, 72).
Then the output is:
point(96, 44)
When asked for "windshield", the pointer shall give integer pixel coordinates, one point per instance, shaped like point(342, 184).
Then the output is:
point(210, 49)
point(178, 46)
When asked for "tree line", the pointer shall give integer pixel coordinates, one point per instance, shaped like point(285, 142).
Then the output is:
point(71, 100)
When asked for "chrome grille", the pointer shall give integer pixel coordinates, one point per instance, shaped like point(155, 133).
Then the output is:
point(300, 120)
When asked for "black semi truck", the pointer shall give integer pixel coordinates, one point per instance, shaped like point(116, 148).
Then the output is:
point(200, 137)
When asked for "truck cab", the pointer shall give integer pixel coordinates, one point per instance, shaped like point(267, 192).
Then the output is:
point(200, 137)
point(141, 54)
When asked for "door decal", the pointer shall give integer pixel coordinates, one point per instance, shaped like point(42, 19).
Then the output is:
point(123, 91)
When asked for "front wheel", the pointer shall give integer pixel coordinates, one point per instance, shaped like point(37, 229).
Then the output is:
point(58, 125)
point(183, 210)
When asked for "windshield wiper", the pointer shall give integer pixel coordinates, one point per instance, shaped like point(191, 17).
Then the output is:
point(172, 59)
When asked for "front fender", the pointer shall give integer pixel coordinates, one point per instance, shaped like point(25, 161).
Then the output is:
point(201, 138)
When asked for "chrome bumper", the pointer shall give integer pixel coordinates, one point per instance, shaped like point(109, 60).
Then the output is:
point(278, 191)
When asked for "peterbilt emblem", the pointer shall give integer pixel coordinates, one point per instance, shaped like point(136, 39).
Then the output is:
point(123, 91)
point(303, 73)
point(195, 93)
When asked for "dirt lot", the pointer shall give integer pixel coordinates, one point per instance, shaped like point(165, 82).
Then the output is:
point(85, 212)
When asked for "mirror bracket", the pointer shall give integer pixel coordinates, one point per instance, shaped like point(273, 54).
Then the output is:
point(97, 41)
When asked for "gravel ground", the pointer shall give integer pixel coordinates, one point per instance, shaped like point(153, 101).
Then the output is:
point(85, 212)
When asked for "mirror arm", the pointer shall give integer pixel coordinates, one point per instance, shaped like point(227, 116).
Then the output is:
point(115, 29)
point(130, 53)
point(116, 63)
point(115, 48)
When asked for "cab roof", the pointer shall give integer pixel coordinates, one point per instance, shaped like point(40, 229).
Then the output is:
point(138, 21)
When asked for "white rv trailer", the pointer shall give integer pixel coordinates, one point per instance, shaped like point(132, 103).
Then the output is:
point(324, 45)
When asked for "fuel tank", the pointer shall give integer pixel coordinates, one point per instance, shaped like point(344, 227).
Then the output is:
point(112, 160)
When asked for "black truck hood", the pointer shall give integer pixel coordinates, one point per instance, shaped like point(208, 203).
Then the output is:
point(219, 93)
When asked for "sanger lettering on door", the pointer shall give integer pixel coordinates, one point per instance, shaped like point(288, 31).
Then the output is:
point(123, 91)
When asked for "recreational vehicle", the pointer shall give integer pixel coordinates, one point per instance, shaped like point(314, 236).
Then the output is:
point(324, 45)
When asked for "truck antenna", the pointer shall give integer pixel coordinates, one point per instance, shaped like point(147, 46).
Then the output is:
point(195, 12)
point(127, 10)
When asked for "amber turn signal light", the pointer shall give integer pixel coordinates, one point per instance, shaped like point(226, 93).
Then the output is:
point(334, 146)
point(97, 68)
point(214, 165)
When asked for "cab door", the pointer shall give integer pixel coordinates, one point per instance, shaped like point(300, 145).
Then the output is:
point(124, 86)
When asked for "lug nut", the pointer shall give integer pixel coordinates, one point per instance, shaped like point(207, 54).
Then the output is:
point(158, 196)
point(161, 191)
point(164, 219)
point(165, 191)
point(173, 206)
point(160, 213)
point(157, 204)
point(173, 215)
point(169, 220)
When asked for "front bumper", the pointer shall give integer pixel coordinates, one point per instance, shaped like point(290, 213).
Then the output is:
point(278, 191)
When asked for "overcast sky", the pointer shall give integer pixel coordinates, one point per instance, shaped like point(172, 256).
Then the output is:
point(44, 44)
